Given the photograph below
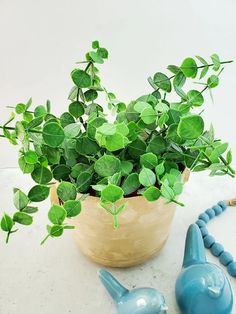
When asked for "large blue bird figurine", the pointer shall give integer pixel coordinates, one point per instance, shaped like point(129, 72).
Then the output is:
point(202, 287)
point(136, 301)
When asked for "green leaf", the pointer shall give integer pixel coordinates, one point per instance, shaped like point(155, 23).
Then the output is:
point(83, 181)
point(61, 172)
point(95, 44)
point(20, 200)
point(173, 68)
point(57, 214)
point(115, 142)
point(178, 83)
point(6, 223)
point(72, 207)
point(218, 151)
point(76, 109)
point(85, 146)
point(190, 127)
point(107, 165)
point(162, 81)
point(107, 129)
point(131, 184)
point(72, 130)
point(111, 193)
point(126, 167)
point(66, 118)
point(148, 160)
point(23, 218)
point(213, 81)
point(172, 134)
point(195, 98)
point(20, 108)
point(216, 61)
point(189, 67)
point(167, 192)
point(152, 193)
point(229, 157)
point(178, 188)
point(157, 145)
point(103, 52)
point(52, 154)
point(148, 115)
point(56, 231)
point(147, 177)
point(30, 210)
point(26, 168)
point(40, 111)
point(90, 95)
point(30, 157)
point(137, 148)
point(81, 78)
point(96, 57)
point(53, 134)
point(160, 169)
point(41, 175)
point(38, 193)
point(66, 191)
point(141, 105)
point(93, 125)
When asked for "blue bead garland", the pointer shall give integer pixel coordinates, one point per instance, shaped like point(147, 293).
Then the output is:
point(210, 243)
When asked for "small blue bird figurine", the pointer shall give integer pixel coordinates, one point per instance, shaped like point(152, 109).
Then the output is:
point(202, 287)
point(136, 301)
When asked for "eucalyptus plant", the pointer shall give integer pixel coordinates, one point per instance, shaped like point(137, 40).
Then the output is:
point(115, 150)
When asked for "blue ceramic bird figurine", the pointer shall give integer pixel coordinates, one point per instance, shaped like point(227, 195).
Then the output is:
point(202, 287)
point(136, 301)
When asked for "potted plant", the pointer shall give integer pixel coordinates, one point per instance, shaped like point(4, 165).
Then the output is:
point(116, 170)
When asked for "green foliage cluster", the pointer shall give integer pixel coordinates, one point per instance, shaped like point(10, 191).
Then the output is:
point(143, 151)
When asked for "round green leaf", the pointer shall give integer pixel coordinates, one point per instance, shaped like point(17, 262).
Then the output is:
point(20, 108)
point(23, 218)
point(148, 160)
point(126, 167)
point(81, 78)
point(20, 200)
point(38, 193)
point(52, 154)
point(131, 184)
point(53, 134)
point(190, 127)
point(148, 115)
point(162, 81)
point(96, 57)
point(24, 166)
point(6, 223)
point(57, 214)
point(41, 175)
point(86, 146)
point(76, 109)
point(195, 98)
point(115, 142)
point(112, 193)
point(84, 180)
point(147, 177)
point(61, 172)
point(66, 191)
point(72, 130)
point(107, 165)
point(73, 208)
point(137, 148)
point(141, 105)
point(30, 157)
point(40, 111)
point(93, 125)
point(152, 193)
point(213, 81)
point(189, 67)
point(90, 95)
point(107, 129)
point(157, 145)
point(66, 118)
point(56, 231)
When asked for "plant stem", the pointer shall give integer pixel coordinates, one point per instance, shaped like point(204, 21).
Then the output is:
point(212, 64)
point(13, 129)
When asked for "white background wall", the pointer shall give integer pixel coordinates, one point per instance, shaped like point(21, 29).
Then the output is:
point(41, 41)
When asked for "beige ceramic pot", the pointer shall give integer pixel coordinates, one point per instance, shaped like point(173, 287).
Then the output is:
point(143, 230)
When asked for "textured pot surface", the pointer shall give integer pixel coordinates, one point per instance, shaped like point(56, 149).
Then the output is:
point(143, 230)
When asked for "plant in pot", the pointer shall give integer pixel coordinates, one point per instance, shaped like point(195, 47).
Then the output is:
point(115, 170)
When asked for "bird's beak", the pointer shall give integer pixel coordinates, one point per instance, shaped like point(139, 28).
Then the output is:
point(164, 307)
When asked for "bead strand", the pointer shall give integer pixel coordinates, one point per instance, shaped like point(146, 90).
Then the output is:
point(210, 243)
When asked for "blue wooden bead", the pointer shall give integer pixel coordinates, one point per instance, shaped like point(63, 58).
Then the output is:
point(200, 223)
point(222, 204)
point(217, 209)
point(226, 258)
point(210, 212)
point(204, 217)
point(232, 269)
point(217, 249)
point(208, 241)
point(204, 231)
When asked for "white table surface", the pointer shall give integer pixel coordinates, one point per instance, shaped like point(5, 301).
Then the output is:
point(57, 278)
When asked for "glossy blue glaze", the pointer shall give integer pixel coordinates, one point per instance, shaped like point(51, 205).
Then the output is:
point(136, 301)
point(201, 287)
